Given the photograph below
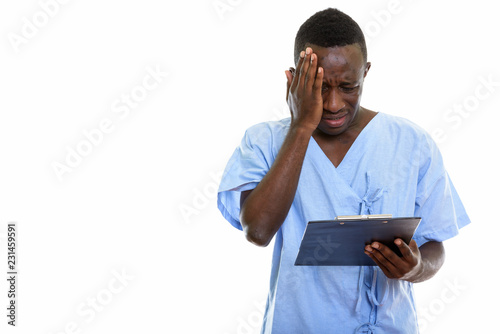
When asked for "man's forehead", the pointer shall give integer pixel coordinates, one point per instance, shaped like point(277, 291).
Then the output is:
point(348, 53)
point(338, 77)
point(344, 62)
point(354, 48)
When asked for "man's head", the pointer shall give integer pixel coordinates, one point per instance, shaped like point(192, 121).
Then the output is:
point(340, 47)
point(329, 28)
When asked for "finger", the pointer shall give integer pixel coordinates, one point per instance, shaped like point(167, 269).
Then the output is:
point(404, 249)
point(296, 74)
point(318, 83)
point(380, 265)
point(303, 71)
point(414, 247)
point(386, 256)
point(311, 72)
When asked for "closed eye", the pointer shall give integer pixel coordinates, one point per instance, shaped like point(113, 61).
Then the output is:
point(344, 89)
point(348, 89)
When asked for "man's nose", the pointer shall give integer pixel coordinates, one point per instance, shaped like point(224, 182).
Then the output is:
point(333, 102)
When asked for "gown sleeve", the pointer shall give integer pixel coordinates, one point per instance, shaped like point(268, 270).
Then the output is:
point(247, 166)
point(437, 201)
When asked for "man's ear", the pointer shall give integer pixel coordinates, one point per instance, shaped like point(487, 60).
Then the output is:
point(367, 68)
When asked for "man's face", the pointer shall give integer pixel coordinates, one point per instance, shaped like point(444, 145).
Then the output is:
point(344, 72)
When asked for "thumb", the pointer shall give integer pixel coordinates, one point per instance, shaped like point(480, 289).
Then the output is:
point(413, 246)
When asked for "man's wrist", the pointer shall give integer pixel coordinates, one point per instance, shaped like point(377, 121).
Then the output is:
point(301, 130)
point(417, 275)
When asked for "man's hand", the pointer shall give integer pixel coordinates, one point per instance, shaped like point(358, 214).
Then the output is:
point(409, 267)
point(304, 91)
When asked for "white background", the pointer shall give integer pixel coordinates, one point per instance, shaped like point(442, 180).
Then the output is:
point(120, 209)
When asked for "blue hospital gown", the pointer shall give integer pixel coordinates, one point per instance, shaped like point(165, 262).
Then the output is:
point(393, 167)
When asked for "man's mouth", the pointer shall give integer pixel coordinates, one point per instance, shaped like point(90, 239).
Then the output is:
point(333, 116)
point(334, 121)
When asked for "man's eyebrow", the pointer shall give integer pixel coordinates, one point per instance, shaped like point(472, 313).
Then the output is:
point(345, 82)
point(349, 80)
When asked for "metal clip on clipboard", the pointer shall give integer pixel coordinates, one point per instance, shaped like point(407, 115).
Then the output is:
point(358, 217)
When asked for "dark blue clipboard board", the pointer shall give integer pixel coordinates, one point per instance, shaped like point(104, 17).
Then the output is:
point(342, 242)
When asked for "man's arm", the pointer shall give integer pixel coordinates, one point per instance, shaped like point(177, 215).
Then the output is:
point(264, 209)
point(416, 264)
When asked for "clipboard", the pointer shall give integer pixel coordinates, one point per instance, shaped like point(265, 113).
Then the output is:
point(341, 242)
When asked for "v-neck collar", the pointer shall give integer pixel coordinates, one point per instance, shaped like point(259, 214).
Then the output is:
point(358, 139)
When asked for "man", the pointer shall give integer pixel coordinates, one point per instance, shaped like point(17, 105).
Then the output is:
point(333, 157)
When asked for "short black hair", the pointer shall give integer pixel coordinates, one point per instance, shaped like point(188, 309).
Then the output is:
point(329, 28)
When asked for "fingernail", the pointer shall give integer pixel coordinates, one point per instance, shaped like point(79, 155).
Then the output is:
point(302, 54)
point(308, 50)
